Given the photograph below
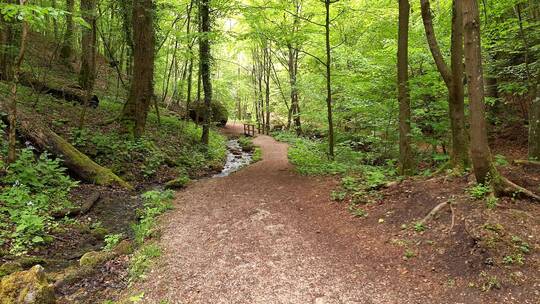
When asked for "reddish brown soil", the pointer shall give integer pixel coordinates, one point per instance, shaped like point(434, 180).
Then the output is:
point(267, 235)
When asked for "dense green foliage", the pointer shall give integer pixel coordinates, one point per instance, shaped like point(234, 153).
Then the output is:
point(30, 191)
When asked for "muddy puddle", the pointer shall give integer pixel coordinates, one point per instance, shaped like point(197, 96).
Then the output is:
point(236, 158)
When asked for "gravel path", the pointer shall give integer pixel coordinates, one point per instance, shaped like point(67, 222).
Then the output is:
point(267, 235)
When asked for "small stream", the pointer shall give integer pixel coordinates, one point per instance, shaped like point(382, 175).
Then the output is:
point(236, 158)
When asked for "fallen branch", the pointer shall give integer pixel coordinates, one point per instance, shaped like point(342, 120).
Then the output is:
point(524, 162)
point(65, 93)
point(83, 209)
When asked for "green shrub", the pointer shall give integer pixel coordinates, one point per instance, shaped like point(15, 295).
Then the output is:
point(479, 191)
point(111, 240)
point(155, 203)
point(246, 143)
point(142, 260)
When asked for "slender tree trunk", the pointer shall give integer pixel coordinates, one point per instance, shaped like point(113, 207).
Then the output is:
point(87, 74)
point(295, 109)
point(12, 116)
point(460, 155)
point(480, 152)
point(137, 106)
point(205, 56)
point(6, 44)
point(189, 84)
point(453, 78)
point(534, 122)
point(268, 66)
point(329, 83)
point(406, 162)
point(67, 45)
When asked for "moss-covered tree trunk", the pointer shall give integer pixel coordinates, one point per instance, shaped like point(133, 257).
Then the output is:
point(81, 165)
point(135, 111)
point(204, 50)
point(406, 163)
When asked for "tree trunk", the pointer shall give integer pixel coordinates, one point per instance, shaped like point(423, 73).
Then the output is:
point(204, 49)
point(329, 83)
point(268, 66)
point(67, 45)
point(6, 53)
point(453, 78)
point(87, 76)
point(460, 155)
point(480, 152)
point(12, 116)
point(406, 162)
point(137, 106)
point(293, 72)
point(534, 122)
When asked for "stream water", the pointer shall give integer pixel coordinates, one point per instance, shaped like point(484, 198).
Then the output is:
point(236, 158)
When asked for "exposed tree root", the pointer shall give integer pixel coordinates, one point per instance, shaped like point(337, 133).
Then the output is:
point(434, 212)
point(506, 187)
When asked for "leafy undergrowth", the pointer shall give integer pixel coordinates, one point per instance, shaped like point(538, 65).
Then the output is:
point(35, 189)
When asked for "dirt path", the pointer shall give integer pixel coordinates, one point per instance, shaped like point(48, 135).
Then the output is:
point(268, 235)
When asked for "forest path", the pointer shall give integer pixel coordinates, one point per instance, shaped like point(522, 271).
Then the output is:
point(268, 235)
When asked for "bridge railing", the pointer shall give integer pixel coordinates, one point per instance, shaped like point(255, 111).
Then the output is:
point(249, 129)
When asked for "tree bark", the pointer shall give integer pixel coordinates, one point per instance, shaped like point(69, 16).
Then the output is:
point(136, 108)
point(480, 151)
point(205, 57)
point(406, 162)
point(460, 156)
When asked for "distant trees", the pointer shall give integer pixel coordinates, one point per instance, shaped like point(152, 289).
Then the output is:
point(141, 94)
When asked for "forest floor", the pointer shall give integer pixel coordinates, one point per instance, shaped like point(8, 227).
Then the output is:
point(268, 235)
